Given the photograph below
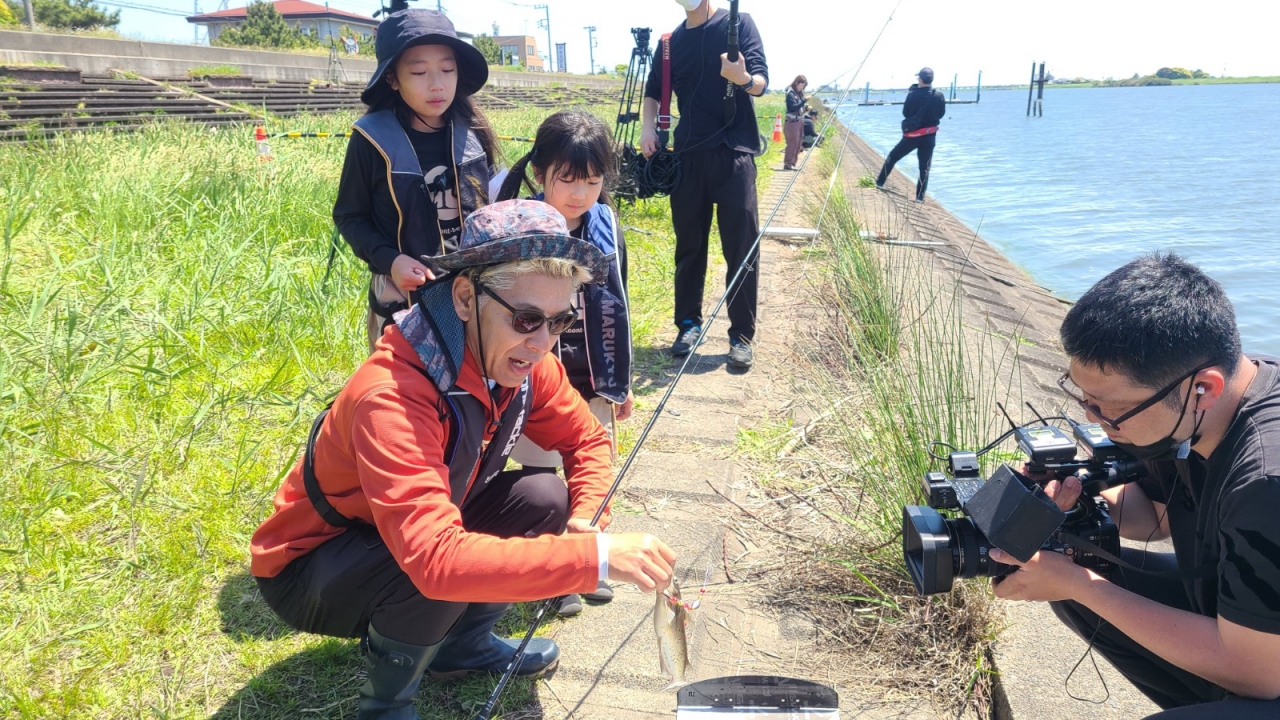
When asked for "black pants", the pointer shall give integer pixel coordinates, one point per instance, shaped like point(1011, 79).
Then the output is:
point(923, 146)
point(352, 580)
point(727, 179)
point(1164, 683)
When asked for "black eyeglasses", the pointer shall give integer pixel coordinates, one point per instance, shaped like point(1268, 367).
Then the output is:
point(1074, 392)
point(528, 321)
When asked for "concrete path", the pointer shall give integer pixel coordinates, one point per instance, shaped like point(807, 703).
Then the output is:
point(687, 488)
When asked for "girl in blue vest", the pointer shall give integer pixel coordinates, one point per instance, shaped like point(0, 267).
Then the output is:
point(418, 162)
point(573, 162)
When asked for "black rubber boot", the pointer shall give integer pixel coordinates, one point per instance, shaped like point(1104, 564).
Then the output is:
point(473, 648)
point(395, 669)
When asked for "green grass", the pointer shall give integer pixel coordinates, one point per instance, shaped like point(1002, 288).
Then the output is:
point(169, 331)
point(33, 63)
point(221, 70)
point(899, 370)
point(1247, 80)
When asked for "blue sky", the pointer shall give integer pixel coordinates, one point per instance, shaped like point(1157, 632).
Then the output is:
point(824, 38)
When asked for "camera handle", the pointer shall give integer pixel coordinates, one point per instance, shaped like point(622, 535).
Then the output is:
point(731, 90)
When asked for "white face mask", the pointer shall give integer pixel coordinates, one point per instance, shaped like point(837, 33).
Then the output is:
point(689, 5)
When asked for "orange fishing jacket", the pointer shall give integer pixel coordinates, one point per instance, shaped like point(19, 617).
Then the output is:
point(379, 458)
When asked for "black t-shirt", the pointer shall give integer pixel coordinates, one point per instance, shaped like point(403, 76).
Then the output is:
point(436, 161)
point(699, 89)
point(795, 101)
point(1223, 511)
point(364, 210)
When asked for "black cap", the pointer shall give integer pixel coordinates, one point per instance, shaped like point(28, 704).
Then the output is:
point(925, 75)
point(407, 28)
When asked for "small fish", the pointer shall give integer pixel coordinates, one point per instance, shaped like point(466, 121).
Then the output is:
point(670, 623)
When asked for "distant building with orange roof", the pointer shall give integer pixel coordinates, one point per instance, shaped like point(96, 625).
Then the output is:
point(318, 21)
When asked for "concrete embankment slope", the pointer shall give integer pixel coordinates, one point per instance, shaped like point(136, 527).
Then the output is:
point(1035, 653)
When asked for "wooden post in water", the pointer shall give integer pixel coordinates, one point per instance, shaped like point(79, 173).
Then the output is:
point(1040, 94)
point(954, 79)
point(866, 94)
point(1031, 88)
point(979, 98)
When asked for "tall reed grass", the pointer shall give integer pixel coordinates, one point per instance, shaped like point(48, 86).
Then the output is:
point(897, 367)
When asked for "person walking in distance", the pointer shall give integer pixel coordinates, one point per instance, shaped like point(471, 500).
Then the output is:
point(793, 129)
point(717, 150)
point(921, 114)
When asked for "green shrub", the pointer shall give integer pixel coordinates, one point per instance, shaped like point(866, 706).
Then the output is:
point(65, 14)
point(264, 27)
point(7, 16)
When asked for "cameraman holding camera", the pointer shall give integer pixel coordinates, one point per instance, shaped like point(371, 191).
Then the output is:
point(1154, 357)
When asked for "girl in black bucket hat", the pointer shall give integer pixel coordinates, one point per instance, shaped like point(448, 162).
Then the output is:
point(419, 162)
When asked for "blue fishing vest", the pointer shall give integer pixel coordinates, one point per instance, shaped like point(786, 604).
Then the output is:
point(606, 321)
point(438, 337)
point(468, 176)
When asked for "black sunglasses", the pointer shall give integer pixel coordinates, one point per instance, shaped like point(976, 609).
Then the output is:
point(528, 321)
point(1114, 423)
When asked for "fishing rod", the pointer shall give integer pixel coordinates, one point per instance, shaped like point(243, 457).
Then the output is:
point(730, 89)
point(731, 288)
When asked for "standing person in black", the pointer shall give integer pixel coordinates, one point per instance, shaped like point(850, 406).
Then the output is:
point(717, 160)
point(921, 114)
point(793, 130)
point(1154, 357)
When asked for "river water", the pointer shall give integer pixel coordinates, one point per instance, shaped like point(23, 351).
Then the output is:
point(1111, 173)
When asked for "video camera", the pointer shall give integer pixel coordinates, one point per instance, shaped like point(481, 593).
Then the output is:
point(1010, 510)
point(395, 6)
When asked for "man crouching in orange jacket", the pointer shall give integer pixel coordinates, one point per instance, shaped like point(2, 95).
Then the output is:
point(400, 526)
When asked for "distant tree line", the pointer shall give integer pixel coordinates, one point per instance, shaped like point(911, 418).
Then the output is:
point(1163, 76)
point(1177, 73)
point(60, 14)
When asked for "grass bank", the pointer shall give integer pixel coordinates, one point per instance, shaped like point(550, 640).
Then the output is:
point(171, 326)
point(892, 367)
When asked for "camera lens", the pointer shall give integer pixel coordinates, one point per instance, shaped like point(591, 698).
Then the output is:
point(971, 551)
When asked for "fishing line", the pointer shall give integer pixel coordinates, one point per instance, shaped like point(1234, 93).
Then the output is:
point(732, 288)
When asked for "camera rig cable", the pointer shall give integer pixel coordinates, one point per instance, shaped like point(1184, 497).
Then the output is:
point(730, 288)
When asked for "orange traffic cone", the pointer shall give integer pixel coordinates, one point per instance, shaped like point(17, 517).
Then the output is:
point(260, 137)
point(777, 129)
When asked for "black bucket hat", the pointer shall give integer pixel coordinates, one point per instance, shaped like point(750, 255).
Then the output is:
point(407, 28)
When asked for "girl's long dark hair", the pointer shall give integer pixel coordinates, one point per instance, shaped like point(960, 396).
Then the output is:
point(799, 79)
point(462, 108)
point(573, 143)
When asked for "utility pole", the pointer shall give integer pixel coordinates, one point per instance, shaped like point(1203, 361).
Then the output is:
point(31, 16)
point(546, 23)
point(590, 45)
point(196, 28)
